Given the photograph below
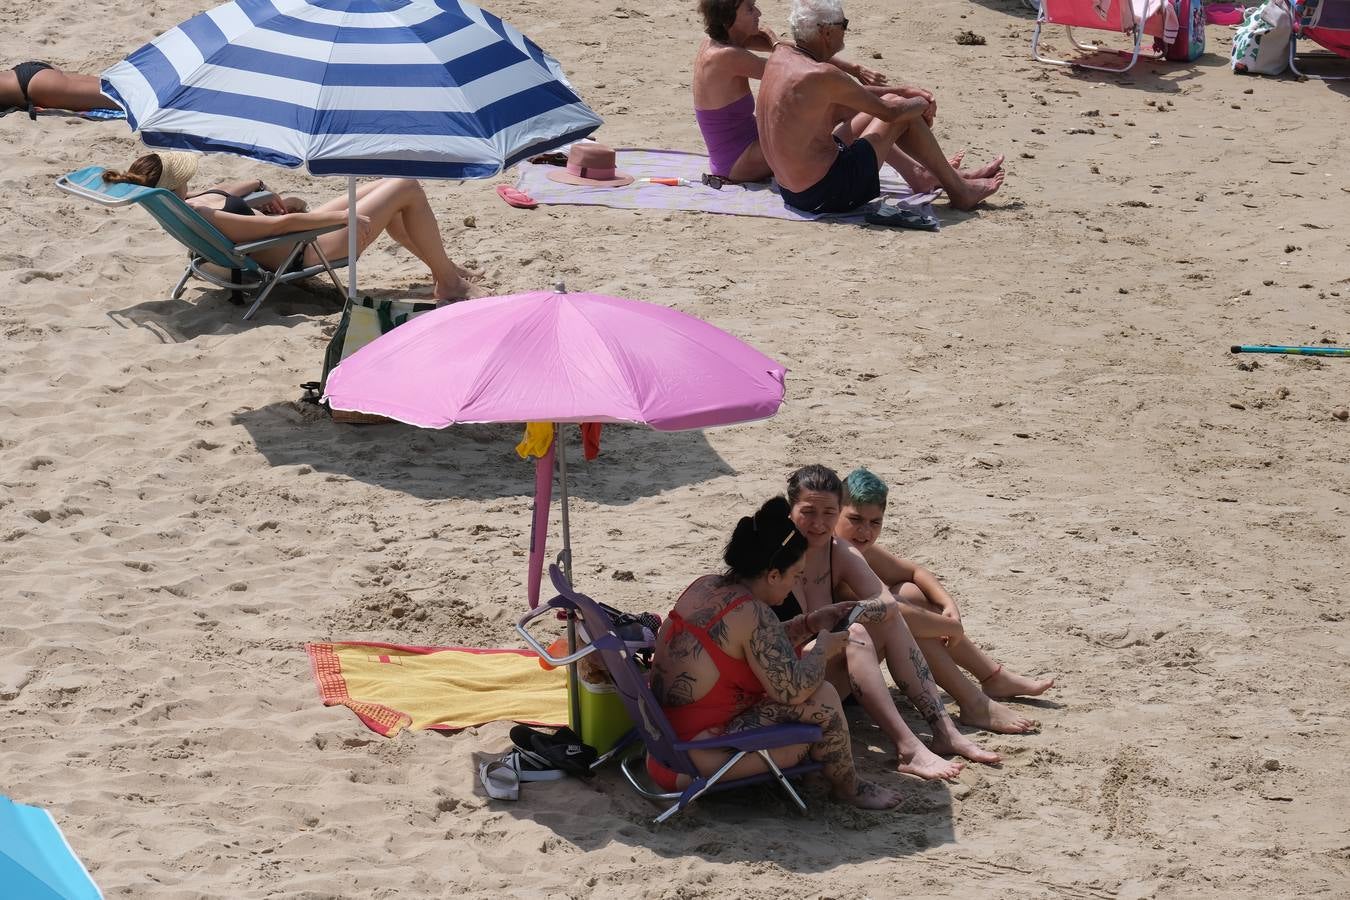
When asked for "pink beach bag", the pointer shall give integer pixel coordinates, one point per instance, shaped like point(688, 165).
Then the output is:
point(1190, 41)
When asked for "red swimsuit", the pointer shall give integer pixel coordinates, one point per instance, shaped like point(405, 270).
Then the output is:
point(736, 690)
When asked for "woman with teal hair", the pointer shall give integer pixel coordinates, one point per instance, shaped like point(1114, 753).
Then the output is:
point(934, 618)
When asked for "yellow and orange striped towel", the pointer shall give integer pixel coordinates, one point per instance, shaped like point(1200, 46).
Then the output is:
point(391, 687)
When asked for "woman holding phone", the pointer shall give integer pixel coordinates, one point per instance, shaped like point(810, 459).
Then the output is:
point(724, 662)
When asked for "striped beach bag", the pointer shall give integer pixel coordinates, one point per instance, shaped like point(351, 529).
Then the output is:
point(362, 322)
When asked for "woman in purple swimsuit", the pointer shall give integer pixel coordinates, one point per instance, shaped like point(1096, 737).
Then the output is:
point(725, 108)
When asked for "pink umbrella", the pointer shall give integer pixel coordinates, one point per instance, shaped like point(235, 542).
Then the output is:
point(551, 356)
point(558, 357)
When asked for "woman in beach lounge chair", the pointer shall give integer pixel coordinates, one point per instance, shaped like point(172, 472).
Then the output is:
point(396, 205)
point(31, 85)
point(724, 663)
point(933, 617)
point(725, 107)
point(879, 635)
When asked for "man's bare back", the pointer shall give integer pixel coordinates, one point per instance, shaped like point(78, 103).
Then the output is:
point(796, 120)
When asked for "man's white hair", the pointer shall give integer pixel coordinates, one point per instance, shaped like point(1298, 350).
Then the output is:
point(807, 16)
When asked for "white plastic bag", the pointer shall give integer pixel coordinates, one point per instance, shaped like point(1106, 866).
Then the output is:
point(1261, 43)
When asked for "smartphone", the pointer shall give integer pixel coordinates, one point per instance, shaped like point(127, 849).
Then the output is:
point(853, 616)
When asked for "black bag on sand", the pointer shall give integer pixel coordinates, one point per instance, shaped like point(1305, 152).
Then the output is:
point(562, 750)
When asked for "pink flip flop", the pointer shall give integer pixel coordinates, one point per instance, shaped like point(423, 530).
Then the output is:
point(513, 197)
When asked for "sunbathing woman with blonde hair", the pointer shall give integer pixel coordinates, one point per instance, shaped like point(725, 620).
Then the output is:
point(396, 205)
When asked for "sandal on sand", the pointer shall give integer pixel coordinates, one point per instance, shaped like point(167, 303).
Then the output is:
point(898, 217)
point(513, 197)
point(501, 778)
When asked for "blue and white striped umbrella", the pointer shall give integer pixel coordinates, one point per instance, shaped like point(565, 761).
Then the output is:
point(410, 88)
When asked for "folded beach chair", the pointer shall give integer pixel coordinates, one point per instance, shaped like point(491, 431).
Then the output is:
point(1324, 22)
point(205, 244)
point(1135, 18)
point(653, 730)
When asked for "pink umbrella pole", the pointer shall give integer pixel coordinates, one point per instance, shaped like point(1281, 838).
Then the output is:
point(543, 499)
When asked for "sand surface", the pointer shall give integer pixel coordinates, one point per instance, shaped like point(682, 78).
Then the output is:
point(1046, 384)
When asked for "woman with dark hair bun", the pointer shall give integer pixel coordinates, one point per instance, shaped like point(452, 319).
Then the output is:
point(832, 565)
point(724, 662)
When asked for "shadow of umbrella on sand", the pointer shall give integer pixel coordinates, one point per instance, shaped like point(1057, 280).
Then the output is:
point(558, 357)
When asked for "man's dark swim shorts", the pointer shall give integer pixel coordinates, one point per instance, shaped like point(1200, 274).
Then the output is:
point(852, 181)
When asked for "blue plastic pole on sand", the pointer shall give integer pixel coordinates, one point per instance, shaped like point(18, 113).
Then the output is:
point(1291, 351)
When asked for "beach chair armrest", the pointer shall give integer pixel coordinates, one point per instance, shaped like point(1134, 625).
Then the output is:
point(286, 240)
point(757, 738)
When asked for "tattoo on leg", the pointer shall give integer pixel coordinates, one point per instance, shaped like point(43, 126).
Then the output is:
point(926, 702)
point(921, 670)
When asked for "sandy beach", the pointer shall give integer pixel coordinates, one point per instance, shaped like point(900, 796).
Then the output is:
point(1112, 497)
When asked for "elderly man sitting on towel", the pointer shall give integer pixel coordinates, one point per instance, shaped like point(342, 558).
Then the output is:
point(804, 100)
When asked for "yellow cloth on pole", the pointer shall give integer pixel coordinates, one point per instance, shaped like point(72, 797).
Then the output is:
point(391, 687)
point(538, 438)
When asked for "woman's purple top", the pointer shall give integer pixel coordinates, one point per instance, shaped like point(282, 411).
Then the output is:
point(727, 132)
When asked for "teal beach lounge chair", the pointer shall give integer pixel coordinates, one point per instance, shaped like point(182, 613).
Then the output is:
point(205, 244)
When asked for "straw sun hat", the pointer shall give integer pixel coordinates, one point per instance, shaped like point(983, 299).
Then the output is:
point(178, 169)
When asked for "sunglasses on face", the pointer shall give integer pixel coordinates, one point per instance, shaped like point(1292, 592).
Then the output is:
point(842, 24)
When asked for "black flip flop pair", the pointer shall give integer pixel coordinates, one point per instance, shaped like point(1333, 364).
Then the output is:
point(899, 217)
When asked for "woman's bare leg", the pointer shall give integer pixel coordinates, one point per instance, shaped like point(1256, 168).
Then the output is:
point(65, 90)
point(833, 751)
point(896, 646)
point(977, 710)
point(401, 198)
point(866, 683)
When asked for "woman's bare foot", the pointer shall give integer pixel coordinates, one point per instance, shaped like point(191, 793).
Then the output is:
point(871, 796)
point(949, 740)
point(975, 191)
point(1004, 684)
point(924, 763)
point(461, 288)
point(989, 715)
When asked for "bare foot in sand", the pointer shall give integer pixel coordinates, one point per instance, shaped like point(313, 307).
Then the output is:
point(924, 763)
point(987, 171)
point(992, 716)
point(464, 287)
point(925, 181)
point(1004, 684)
point(975, 191)
point(871, 796)
point(949, 740)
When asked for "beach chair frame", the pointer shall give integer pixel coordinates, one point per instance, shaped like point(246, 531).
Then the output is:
point(654, 731)
point(205, 244)
point(1307, 14)
point(1136, 33)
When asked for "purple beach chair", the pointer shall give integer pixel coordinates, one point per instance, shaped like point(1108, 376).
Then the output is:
point(653, 730)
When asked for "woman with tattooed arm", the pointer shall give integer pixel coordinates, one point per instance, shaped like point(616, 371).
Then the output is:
point(880, 634)
point(724, 662)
